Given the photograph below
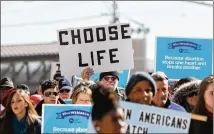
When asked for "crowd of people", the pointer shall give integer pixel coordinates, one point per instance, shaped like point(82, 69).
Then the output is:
point(22, 109)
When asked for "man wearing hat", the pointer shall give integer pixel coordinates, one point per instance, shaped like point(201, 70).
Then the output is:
point(108, 78)
point(65, 89)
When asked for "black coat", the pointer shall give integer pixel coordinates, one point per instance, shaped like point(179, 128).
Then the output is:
point(199, 127)
point(39, 106)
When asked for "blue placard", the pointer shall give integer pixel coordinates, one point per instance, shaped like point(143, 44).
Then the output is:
point(123, 76)
point(184, 57)
point(65, 118)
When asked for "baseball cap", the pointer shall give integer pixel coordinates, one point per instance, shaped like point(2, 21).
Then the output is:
point(6, 82)
point(64, 84)
point(24, 87)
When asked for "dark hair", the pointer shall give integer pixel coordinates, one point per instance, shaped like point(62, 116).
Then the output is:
point(48, 84)
point(82, 87)
point(159, 76)
point(200, 103)
point(104, 99)
point(31, 114)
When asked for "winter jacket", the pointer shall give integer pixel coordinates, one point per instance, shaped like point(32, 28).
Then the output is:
point(184, 91)
point(171, 105)
point(21, 127)
point(39, 106)
point(200, 127)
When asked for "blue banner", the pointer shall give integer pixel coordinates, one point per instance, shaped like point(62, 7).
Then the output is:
point(68, 118)
point(123, 76)
point(184, 57)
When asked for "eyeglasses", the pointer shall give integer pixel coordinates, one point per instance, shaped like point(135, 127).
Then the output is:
point(47, 94)
point(192, 94)
point(107, 78)
point(64, 90)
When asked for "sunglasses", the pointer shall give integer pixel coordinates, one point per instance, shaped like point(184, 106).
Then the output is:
point(64, 90)
point(107, 78)
point(192, 94)
point(47, 94)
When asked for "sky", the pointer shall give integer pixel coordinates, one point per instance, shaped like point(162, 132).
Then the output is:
point(44, 18)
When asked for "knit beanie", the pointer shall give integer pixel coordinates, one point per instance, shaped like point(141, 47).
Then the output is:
point(36, 98)
point(137, 77)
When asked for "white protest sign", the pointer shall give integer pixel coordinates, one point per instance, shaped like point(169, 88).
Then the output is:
point(104, 48)
point(150, 119)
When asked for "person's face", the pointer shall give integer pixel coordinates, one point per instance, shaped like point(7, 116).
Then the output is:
point(33, 103)
point(112, 122)
point(191, 99)
point(162, 93)
point(18, 104)
point(141, 93)
point(50, 96)
point(65, 94)
point(83, 98)
point(110, 81)
point(208, 97)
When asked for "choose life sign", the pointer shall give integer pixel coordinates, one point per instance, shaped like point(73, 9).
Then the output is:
point(67, 118)
point(123, 77)
point(143, 119)
point(184, 57)
point(104, 48)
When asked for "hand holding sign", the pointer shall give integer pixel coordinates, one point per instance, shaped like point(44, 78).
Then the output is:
point(87, 73)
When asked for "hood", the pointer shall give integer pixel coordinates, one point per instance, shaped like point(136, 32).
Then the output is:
point(185, 90)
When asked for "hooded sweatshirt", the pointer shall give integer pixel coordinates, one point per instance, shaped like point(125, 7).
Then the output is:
point(185, 90)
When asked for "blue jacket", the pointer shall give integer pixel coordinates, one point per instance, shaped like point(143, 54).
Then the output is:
point(21, 127)
point(174, 106)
